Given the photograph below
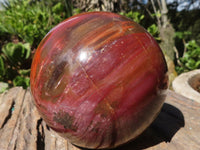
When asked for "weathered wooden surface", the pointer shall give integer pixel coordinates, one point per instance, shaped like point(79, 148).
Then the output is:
point(176, 128)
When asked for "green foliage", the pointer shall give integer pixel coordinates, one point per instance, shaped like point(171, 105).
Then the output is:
point(58, 8)
point(2, 67)
point(190, 59)
point(186, 21)
point(13, 61)
point(153, 30)
point(76, 11)
point(17, 53)
point(25, 72)
point(69, 8)
point(21, 81)
point(182, 35)
point(136, 16)
point(3, 87)
point(30, 21)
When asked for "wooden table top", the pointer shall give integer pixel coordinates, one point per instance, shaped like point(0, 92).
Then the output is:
point(176, 128)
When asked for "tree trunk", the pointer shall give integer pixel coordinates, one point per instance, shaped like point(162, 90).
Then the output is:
point(166, 32)
point(165, 28)
point(167, 40)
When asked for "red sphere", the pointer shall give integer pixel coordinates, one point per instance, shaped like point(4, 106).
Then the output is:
point(98, 79)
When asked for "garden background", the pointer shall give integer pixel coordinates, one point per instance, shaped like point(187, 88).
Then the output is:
point(175, 24)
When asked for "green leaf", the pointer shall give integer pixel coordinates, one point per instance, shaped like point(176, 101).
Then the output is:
point(197, 65)
point(2, 67)
point(31, 20)
point(136, 16)
point(3, 87)
point(182, 35)
point(21, 81)
point(17, 53)
point(27, 46)
point(179, 35)
point(153, 29)
point(78, 11)
point(190, 64)
point(25, 72)
point(58, 8)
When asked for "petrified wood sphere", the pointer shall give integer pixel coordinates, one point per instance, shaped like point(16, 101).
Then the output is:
point(98, 79)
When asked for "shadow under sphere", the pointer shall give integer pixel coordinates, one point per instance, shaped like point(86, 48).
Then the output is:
point(164, 127)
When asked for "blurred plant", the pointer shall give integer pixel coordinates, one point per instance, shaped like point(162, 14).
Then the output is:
point(3, 87)
point(136, 16)
point(153, 30)
point(30, 20)
point(17, 53)
point(21, 81)
point(182, 36)
point(69, 8)
point(13, 61)
point(76, 11)
point(190, 59)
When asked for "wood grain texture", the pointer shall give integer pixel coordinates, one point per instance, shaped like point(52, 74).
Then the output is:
point(177, 127)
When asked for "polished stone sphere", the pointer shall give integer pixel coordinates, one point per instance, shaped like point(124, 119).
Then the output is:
point(98, 79)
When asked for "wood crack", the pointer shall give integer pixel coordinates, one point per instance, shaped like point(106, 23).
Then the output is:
point(9, 114)
point(40, 136)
